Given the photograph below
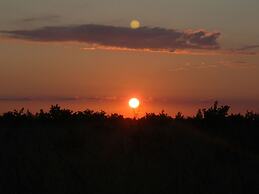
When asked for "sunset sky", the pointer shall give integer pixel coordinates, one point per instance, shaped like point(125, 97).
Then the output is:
point(186, 53)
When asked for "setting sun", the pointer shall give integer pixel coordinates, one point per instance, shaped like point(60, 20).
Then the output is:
point(134, 103)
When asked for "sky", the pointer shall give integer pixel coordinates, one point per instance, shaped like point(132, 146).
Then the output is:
point(185, 54)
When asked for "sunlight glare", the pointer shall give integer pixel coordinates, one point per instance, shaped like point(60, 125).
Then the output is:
point(134, 103)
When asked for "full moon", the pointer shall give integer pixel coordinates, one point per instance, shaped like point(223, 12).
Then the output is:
point(134, 24)
point(134, 103)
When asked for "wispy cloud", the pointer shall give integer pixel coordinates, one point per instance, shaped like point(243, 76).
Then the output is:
point(249, 47)
point(40, 18)
point(114, 37)
point(236, 64)
point(216, 52)
point(57, 98)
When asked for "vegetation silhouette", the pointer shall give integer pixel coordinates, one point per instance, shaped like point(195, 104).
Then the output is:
point(61, 151)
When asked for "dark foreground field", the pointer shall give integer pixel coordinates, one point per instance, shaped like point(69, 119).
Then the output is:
point(89, 152)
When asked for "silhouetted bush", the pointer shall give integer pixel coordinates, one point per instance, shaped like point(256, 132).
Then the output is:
point(179, 116)
point(61, 151)
point(216, 113)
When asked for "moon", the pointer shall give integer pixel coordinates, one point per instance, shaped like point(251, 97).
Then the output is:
point(134, 24)
point(134, 103)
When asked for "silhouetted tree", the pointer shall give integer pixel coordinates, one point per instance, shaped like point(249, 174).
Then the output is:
point(250, 115)
point(199, 115)
point(179, 116)
point(56, 113)
point(215, 112)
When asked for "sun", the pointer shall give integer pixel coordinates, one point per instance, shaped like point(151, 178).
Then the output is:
point(134, 24)
point(134, 103)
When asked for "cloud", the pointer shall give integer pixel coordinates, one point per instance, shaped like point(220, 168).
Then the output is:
point(57, 98)
point(236, 64)
point(40, 18)
point(218, 52)
point(114, 37)
point(249, 47)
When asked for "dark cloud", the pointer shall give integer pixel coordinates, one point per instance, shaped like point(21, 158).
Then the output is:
point(154, 39)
